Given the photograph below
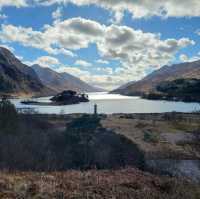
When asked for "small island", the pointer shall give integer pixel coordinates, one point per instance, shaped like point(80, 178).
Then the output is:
point(67, 97)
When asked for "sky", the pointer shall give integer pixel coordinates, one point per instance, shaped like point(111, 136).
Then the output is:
point(106, 43)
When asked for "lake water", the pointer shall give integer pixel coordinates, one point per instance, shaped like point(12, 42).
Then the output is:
point(113, 103)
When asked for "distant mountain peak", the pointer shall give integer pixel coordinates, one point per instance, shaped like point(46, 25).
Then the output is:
point(186, 70)
point(62, 81)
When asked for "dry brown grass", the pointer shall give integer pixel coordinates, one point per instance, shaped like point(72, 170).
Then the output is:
point(164, 130)
point(115, 184)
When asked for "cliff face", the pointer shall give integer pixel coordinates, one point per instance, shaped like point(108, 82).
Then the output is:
point(17, 78)
point(166, 73)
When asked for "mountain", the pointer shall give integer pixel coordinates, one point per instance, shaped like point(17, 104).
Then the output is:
point(62, 81)
point(166, 73)
point(186, 90)
point(17, 78)
point(126, 85)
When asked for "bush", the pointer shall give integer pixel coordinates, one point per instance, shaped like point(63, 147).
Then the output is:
point(8, 117)
point(92, 146)
point(151, 137)
point(85, 144)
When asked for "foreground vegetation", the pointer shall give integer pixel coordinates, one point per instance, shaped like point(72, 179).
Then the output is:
point(99, 156)
point(33, 142)
point(109, 184)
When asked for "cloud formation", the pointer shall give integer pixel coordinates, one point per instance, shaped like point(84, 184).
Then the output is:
point(185, 58)
point(138, 9)
point(3, 16)
point(30, 38)
point(15, 3)
point(83, 63)
point(46, 61)
point(101, 61)
point(137, 51)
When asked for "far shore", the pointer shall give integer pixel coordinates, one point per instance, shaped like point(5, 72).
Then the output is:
point(47, 103)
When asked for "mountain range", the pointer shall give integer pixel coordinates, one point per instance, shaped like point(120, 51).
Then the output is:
point(18, 79)
point(62, 81)
point(166, 73)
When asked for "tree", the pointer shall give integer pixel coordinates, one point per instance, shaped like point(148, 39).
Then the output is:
point(8, 116)
point(80, 135)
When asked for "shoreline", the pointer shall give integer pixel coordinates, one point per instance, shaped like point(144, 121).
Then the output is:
point(48, 103)
point(170, 98)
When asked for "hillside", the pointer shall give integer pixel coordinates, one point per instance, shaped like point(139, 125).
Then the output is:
point(17, 78)
point(166, 73)
point(187, 90)
point(62, 81)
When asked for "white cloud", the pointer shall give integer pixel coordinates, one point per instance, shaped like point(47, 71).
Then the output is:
point(75, 33)
point(30, 38)
point(142, 8)
point(101, 61)
point(117, 18)
point(74, 71)
point(197, 32)
point(137, 51)
point(8, 47)
point(57, 14)
point(3, 16)
point(185, 58)
point(105, 70)
point(46, 61)
point(138, 9)
point(57, 51)
point(83, 63)
point(25, 36)
point(15, 3)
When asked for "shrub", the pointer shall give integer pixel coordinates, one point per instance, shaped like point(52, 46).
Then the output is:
point(151, 137)
point(8, 117)
point(93, 146)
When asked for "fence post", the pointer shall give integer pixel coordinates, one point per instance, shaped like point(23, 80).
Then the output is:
point(95, 109)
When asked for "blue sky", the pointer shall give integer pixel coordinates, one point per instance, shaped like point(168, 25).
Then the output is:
point(106, 43)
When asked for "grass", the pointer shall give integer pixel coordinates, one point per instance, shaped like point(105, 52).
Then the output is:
point(150, 136)
point(117, 184)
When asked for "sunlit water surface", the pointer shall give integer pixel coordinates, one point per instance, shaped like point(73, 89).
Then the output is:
point(112, 103)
